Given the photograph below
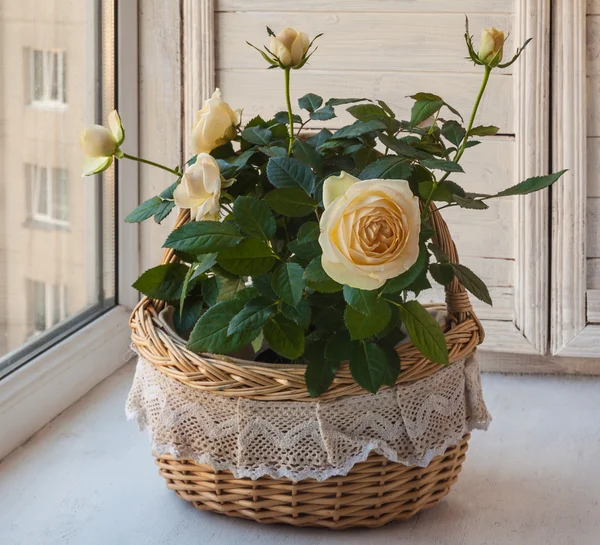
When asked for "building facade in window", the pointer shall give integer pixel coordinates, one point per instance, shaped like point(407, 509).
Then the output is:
point(47, 77)
point(49, 216)
point(48, 195)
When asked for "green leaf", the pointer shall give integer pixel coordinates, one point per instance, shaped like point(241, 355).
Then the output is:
point(319, 375)
point(310, 102)
point(304, 253)
point(358, 128)
point(482, 130)
point(325, 113)
point(307, 154)
point(229, 288)
point(284, 337)
point(260, 136)
point(368, 366)
point(192, 310)
point(163, 210)
point(472, 283)
point(144, 211)
point(317, 279)
point(289, 172)
point(164, 282)
point(291, 201)
point(530, 185)
point(393, 168)
point(339, 347)
point(262, 284)
point(301, 313)
point(442, 273)
point(210, 290)
point(443, 192)
point(362, 326)
point(341, 101)
point(320, 138)
point(251, 256)
point(308, 232)
point(203, 237)
point(367, 112)
point(167, 194)
point(210, 332)
point(287, 283)
point(441, 164)
point(252, 317)
point(401, 147)
point(434, 98)
point(365, 156)
point(254, 217)
point(362, 300)
point(424, 108)
point(283, 118)
point(424, 331)
point(453, 132)
point(466, 202)
point(402, 281)
point(392, 369)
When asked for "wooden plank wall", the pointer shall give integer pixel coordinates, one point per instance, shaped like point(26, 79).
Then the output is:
point(391, 50)
point(593, 151)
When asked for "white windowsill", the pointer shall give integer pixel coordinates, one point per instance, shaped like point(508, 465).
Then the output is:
point(37, 392)
point(532, 479)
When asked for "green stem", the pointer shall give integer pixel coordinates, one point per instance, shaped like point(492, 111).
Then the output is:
point(289, 109)
point(484, 83)
point(152, 163)
point(463, 145)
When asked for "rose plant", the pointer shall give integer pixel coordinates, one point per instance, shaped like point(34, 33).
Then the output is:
point(312, 246)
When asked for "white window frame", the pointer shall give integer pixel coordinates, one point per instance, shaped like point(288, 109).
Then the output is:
point(35, 393)
point(34, 172)
point(47, 78)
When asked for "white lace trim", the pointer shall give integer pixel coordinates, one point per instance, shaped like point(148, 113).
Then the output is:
point(408, 424)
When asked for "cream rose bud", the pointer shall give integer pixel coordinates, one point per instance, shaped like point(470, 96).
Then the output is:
point(100, 144)
point(289, 46)
point(200, 189)
point(369, 230)
point(215, 124)
point(492, 45)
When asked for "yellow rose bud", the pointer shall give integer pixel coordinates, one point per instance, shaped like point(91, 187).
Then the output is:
point(491, 48)
point(200, 189)
point(215, 125)
point(289, 46)
point(369, 230)
point(101, 144)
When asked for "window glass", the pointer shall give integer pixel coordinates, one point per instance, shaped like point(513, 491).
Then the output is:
point(56, 228)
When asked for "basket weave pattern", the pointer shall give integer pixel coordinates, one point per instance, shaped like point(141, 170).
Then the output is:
point(374, 492)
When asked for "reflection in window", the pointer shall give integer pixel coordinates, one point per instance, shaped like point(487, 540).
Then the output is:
point(48, 305)
point(48, 77)
point(49, 194)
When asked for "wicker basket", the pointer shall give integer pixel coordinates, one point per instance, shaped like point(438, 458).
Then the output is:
point(374, 492)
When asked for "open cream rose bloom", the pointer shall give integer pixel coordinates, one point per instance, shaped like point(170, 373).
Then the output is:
point(215, 124)
point(200, 189)
point(369, 230)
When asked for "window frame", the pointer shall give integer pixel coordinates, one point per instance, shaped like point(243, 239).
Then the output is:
point(82, 354)
point(34, 174)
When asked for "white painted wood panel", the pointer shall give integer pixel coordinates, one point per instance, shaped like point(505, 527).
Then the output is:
point(160, 128)
point(407, 6)
point(261, 92)
point(421, 42)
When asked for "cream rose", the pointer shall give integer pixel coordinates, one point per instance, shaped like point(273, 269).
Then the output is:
point(289, 46)
point(200, 189)
point(492, 45)
point(369, 230)
point(215, 124)
point(100, 144)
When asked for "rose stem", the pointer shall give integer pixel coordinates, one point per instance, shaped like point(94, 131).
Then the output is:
point(152, 163)
point(289, 109)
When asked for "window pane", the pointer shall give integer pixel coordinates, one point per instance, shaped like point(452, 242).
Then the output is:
point(56, 228)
